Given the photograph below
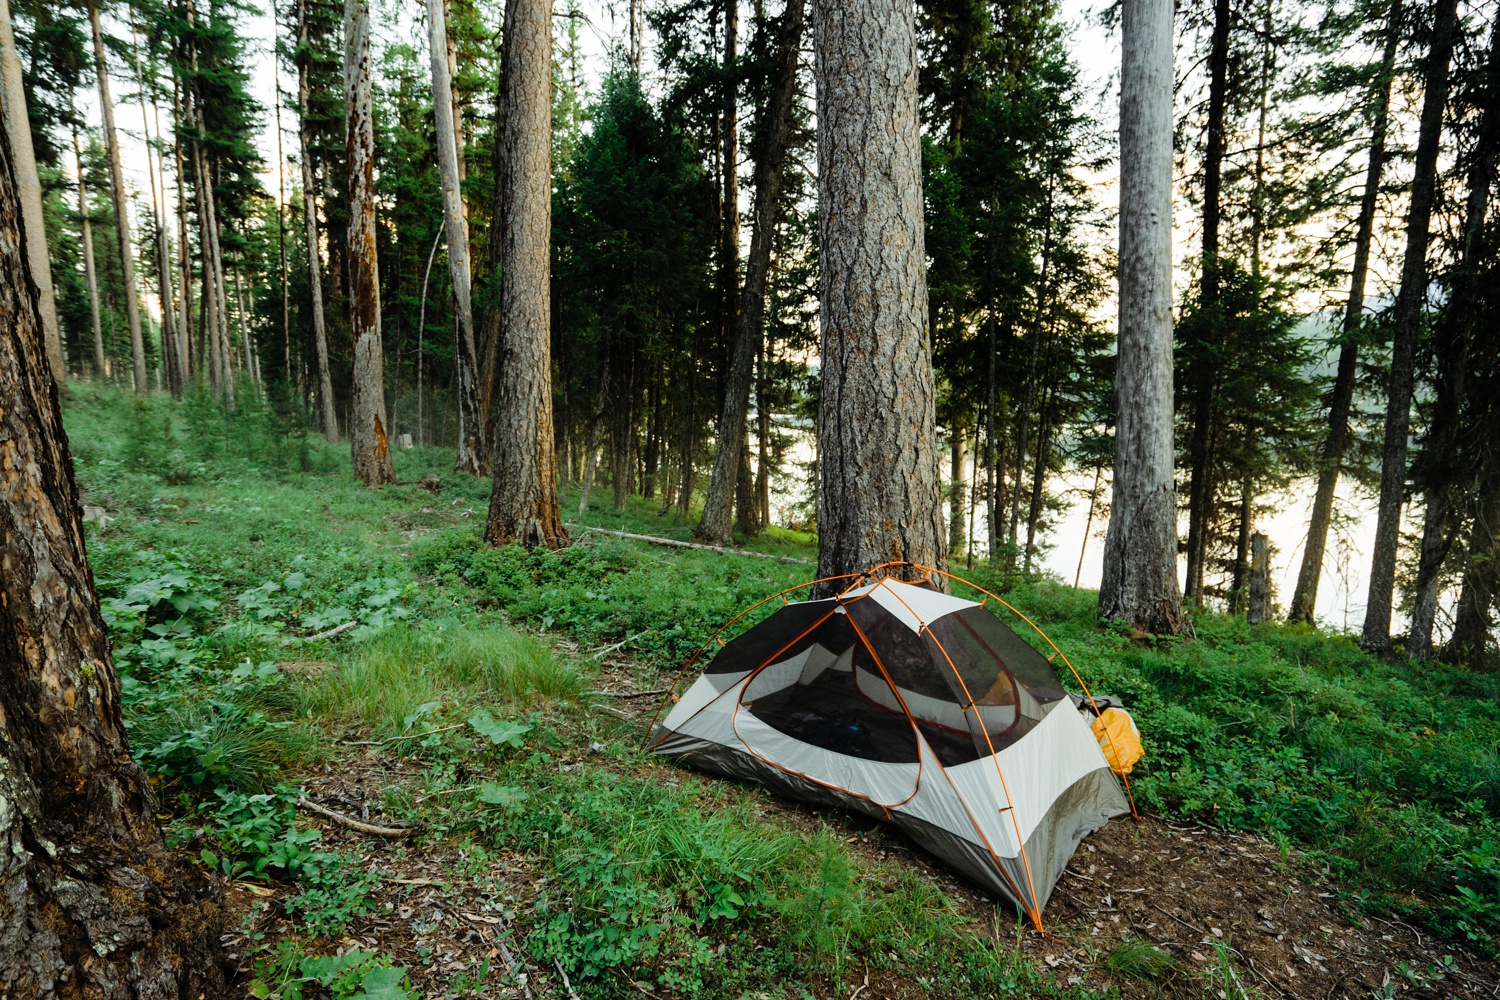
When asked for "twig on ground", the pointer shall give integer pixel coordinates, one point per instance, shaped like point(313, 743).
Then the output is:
point(564, 973)
point(358, 825)
point(674, 543)
point(633, 694)
point(601, 654)
point(327, 633)
point(395, 739)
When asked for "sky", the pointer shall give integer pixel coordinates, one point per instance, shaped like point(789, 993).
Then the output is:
point(1097, 53)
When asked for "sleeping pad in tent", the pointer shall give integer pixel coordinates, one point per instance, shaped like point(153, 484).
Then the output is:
point(913, 706)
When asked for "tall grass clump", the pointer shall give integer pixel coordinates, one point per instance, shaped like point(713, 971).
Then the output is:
point(401, 674)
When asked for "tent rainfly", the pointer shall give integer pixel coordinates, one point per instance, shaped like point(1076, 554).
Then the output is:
point(913, 706)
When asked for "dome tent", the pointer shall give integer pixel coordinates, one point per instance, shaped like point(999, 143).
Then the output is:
point(913, 706)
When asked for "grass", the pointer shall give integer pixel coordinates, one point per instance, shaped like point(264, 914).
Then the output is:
point(390, 681)
point(1141, 960)
point(235, 539)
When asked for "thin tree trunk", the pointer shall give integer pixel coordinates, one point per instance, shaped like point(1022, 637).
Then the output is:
point(327, 415)
point(771, 139)
point(1241, 552)
point(523, 498)
point(1038, 480)
point(1341, 402)
point(184, 263)
point(101, 367)
point(29, 190)
point(1258, 604)
point(122, 217)
point(1454, 339)
point(991, 496)
point(286, 292)
point(1023, 430)
point(877, 432)
point(471, 445)
point(109, 912)
point(367, 433)
point(1408, 318)
point(245, 341)
point(1140, 548)
point(957, 492)
point(1203, 375)
point(1471, 625)
point(1088, 524)
point(166, 332)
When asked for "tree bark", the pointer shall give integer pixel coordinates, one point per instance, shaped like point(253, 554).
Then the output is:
point(367, 425)
point(1408, 319)
point(1258, 605)
point(86, 234)
point(1454, 338)
point(122, 217)
point(29, 190)
point(327, 415)
point(880, 500)
point(1471, 625)
point(1140, 548)
point(523, 499)
point(771, 139)
point(1341, 402)
point(957, 494)
point(92, 904)
point(471, 445)
point(184, 266)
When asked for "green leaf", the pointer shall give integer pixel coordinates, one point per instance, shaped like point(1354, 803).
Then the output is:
point(258, 989)
point(501, 795)
point(498, 731)
point(383, 984)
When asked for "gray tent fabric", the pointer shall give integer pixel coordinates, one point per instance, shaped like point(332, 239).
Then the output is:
point(912, 706)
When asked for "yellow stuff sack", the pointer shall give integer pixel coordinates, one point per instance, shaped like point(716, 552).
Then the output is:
point(1118, 738)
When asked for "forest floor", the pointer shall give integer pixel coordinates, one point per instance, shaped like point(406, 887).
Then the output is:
point(1318, 824)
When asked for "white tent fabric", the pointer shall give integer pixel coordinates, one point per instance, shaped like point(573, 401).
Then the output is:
point(893, 726)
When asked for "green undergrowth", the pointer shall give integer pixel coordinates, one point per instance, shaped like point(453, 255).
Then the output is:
point(262, 604)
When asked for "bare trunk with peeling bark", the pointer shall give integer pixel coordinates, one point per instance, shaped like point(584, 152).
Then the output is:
point(1140, 549)
point(523, 502)
point(92, 904)
point(471, 450)
point(880, 499)
point(367, 423)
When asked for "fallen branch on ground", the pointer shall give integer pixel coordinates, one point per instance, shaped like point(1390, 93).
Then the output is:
point(303, 802)
point(326, 634)
point(674, 543)
point(394, 739)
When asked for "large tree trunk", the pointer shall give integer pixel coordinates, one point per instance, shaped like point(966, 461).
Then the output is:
point(1140, 548)
point(471, 450)
point(1341, 401)
point(771, 139)
point(92, 904)
point(86, 234)
point(880, 499)
point(327, 415)
point(29, 189)
point(122, 217)
point(523, 500)
point(367, 430)
point(1408, 320)
point(1454, 337)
